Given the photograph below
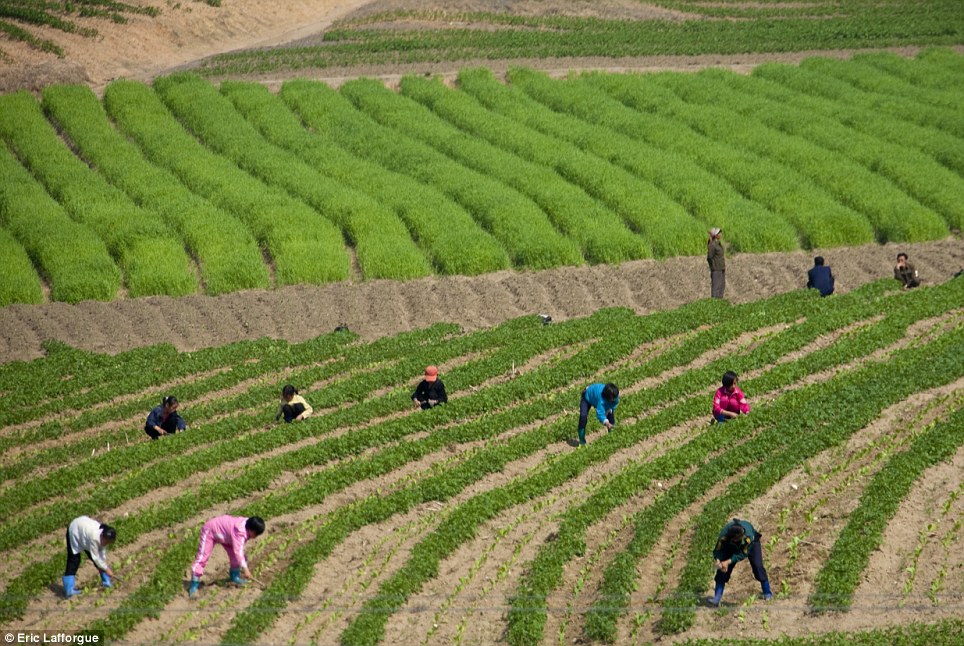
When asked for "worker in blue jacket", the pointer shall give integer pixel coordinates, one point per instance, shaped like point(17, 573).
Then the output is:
point(604, 398)
point(820, 277)
point(738, 541)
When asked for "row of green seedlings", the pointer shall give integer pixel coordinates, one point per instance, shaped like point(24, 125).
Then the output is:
point(231, 438)
point(668, 137)
point(560, 110)
point(445, 231)
point(152, 259)
point(384, 246)
point(472, 431)
point(72, 258)
point(395, 590)
point(859, 177)
point(845, 469)
point(377, 558)
point(745, 153)
point(896, 120)
point(932, 363)
point(932, 68)
point(228, 255)
point(317, 487)
point(303, 246)
point(541, 514)
point(261, 476)
point(861, 26)
point(900, 325)
point(515, 221)
point(601, 234)
point(369, 625)
point(817, 167)
point(838, 579)
point(799, 203)
point(879, 81)
point(546, 571)
point(21, 282)
point(919, 175)
point(901, 99)
point(951, 536)
point(662, 223)
point(143, 395)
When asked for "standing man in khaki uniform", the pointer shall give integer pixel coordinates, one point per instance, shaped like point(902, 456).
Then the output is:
point(714, 256)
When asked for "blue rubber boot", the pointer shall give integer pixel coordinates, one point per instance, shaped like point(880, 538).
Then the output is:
point(236, 576)
point(718, 595)
point(767, 595)
point(69, 589)
point(105, 579)
point(582, 437)
point(195, 584)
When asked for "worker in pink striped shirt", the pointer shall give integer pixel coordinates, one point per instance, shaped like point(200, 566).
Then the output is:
point(729, 401)
point(231, 532)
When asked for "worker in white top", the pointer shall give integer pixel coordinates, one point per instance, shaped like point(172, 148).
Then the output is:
point(87, 535)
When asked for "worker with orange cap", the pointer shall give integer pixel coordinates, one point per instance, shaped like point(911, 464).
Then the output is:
point(430, 392)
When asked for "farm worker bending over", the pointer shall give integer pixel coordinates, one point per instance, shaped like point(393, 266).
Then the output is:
point(738, 541)
point(232, 532)
point(604, 398)
point(293, 407)
point(905, 272)
point(84, 534)
point(430, 392)
point(729, 401)
point(717, 263)
point(164, 420)
point(820, 277)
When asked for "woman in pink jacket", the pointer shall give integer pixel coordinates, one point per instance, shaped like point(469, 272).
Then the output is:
point(729, 401)
point(232, 532)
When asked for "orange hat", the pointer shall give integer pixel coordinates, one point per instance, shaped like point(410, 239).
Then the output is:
point(431, 373)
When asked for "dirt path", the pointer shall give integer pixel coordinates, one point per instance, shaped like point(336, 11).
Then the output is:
point(378, 308)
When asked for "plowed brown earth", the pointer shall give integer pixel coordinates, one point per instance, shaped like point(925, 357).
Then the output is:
point(378, 308)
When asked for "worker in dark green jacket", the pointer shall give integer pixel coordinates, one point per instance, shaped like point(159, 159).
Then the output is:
point(738, 541)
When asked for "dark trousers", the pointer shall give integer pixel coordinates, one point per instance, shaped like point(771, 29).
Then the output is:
point(717, 283)
point(584, 407)
point(290, 412)
point(73, 560)
point(169, 425)
point(755, 557)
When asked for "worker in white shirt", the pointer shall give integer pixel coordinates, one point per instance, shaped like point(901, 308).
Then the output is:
point(87, 535)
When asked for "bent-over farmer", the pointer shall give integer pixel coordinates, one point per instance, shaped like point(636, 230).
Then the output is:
point(230, 532)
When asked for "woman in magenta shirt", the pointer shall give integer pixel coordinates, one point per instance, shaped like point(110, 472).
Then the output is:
point(729, 401)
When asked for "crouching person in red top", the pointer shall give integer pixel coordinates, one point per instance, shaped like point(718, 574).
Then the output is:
point(231, 532)
point(729, 401)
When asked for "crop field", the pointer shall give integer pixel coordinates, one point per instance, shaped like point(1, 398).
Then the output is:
point(184, 187)
point(407, 31)
point(478, 521)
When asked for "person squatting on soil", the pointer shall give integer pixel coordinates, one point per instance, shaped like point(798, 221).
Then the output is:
point(729, 402)
point(738, 541)
point(293, 407)
point(717, 263)
point(820, 277)
point(905, 272)
point(84, 534)
point(604, 398)
point(230, 532)
point(430, 392)
point(164, 420)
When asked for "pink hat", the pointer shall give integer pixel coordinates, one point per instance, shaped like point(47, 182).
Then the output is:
point(431, 373)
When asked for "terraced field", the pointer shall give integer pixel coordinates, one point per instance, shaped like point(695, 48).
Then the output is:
point(478, 521)
point(183, 187)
